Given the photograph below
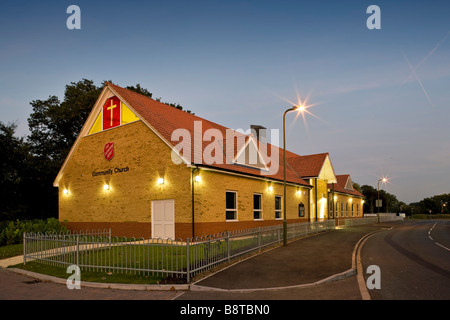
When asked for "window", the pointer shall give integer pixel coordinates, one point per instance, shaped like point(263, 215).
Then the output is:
point(346, 209)
point(231, 208)
point(357, 209)
point(342, 209)
point(277, 207)
point(257, 206)
point(353, 209)
point(301, 209)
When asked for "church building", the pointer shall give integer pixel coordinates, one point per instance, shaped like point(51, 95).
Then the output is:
point(146, 169)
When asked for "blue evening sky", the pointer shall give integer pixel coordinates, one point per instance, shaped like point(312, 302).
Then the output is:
point(382, 97)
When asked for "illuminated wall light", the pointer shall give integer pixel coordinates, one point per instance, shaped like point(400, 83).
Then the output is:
point(299, 193)
point(351, 200)
point(160, 181)
point(106, 187)
point(270, 189)
point(65, 191)
point(198, 178)
point(322, 203)
point(335, 198)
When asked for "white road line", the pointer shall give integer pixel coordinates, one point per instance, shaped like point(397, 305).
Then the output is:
point(440, 245)
point(431, 238)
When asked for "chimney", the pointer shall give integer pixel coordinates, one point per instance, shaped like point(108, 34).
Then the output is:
point(259, 132)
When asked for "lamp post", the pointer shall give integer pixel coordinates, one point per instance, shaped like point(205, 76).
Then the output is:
point(378, 197)
point(294, 108)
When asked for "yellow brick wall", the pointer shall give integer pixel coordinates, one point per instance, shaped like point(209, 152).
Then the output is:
point(147, 158)
point(345, 203)
point(210, 195)
point(322, 200)
point(127, 205)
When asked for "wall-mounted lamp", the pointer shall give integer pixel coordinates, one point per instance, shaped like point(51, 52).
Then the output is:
point(106, 187)
point(198, 178)
point(270, 189)
point(160, 181)
point(65, 191)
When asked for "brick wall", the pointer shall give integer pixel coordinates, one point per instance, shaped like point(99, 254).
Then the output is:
point(141, 157)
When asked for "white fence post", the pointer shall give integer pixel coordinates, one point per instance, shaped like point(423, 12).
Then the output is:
point(188, 263)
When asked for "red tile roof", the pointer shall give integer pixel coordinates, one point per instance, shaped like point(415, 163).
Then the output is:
point(166, 119)
point(340, 186)
point(307, 166)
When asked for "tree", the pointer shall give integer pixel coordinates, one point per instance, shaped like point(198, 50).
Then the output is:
point(390, 203)
point(54, 125)
point(437, 204)
point(16, 174)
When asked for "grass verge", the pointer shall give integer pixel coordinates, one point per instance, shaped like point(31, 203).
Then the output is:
point(96, 276)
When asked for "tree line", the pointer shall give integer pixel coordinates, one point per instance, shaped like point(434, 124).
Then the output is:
point(438, 204)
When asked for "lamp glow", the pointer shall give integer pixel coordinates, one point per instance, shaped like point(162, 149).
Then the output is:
point(160, 181)
point(300, 108)
point(270, 188)
point(106, 187)
point(198, 178)
point(65, 191)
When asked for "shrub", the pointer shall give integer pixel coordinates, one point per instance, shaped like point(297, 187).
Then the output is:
point(11, 232)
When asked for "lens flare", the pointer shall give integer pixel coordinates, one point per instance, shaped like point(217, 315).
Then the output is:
point(302, 106)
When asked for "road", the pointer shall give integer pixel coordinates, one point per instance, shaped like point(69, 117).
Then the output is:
point(413, 260)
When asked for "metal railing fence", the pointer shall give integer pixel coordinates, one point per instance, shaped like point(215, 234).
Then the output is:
point(98, 251)
point(360, 221)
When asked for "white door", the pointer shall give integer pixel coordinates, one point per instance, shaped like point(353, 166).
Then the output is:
point(163, 219)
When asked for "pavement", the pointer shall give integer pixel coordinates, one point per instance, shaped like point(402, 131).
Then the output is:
point(319, 267)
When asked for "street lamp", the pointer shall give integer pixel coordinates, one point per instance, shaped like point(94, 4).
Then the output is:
point(299, 109)
point(382, 180)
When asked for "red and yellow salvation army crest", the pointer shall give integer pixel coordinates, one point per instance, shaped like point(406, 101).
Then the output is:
point(109, 151)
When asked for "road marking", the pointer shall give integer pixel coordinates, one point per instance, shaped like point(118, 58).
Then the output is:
point(431, 238)
point(429, 232)
point(356, 262)
point(440, 245)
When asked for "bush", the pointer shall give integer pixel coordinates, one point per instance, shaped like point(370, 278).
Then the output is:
point(11, 232)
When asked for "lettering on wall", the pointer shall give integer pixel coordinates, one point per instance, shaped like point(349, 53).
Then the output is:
point(110, 171)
